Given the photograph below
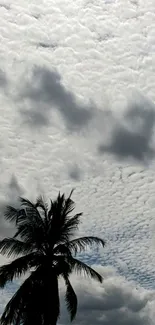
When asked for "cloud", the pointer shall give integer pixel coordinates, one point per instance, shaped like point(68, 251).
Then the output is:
point(12, 192)
point(45, 92)
point(134, 139)
point(7, 7)
point(115, 301)
point(3, 79)
point(15, 190)
point(101, 53)
point(75, 172)
point(46, 45)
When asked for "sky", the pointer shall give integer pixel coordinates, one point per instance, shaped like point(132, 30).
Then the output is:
point(77, 103)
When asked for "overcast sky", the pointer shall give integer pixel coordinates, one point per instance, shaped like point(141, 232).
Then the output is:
point(77, 101)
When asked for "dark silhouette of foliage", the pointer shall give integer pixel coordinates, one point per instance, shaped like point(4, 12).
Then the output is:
point(43, 245)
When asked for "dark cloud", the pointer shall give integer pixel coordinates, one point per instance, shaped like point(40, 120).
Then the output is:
point(134, 138)
point(13, 191)
point(36, 15)
point(46, 45)
point(116, 301)
point(35, 118)
point(7, 7)
point(128, 144)
point(75, 173)
point(3, 79)
point(46, 92)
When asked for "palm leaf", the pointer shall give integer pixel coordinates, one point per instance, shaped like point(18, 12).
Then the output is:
point(31, 212)
point(70, 227)
point(69, 205)
point(17, 268)
point(15, 307)
point(82, 242)
point(13, 246)
point(61, 233)
point(61, 225)
point(61, 207)
point(11, 213)
point(41, 204)
point(61, 265)
point(30, 226)
point(80, 267)
point(78, 244)
point(62, 249)
point(71, 299)
point(31, 235)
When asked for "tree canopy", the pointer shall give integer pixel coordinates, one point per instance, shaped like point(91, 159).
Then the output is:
point(43, 245)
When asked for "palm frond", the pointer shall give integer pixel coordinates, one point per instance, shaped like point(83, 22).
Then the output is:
point(11, 213)
point(61, 207)
point(70, 298)
point(28, 220)
point(17, 268)
point(40, 203)
point(61, 233)
point(30, 226)
point(69, 204)
point(80, 244)
point(31, 212)
point(71, 226)
point(61, 225)
point(71, 192)
point(62, 250)
point(61, 265)
point(14, 309)
point(31, 304)
point(49, 214)
point(57, 206)
point(80, 267)
point(32, 235)
point(25, 202)
point(13, 246)
point(73, 223)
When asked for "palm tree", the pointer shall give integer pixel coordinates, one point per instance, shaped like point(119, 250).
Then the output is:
point(44, 246)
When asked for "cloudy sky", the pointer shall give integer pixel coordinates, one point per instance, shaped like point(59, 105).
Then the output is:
point(77, 101)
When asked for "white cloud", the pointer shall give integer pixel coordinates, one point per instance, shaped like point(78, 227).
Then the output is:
point(100, 52)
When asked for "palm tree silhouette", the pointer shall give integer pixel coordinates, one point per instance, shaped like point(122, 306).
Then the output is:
point(43, 246)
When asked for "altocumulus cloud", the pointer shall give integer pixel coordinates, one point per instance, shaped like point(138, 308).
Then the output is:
point(101, 49)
